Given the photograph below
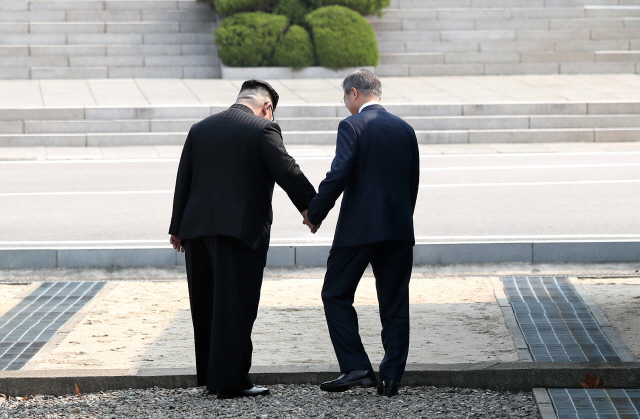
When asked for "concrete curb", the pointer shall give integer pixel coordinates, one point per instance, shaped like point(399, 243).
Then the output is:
point(316, 255)
point(514, 376)
point(244, 73)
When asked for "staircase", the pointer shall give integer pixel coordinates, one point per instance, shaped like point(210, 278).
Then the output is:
point(317, 124)
point(502, 37)
point(55, 39)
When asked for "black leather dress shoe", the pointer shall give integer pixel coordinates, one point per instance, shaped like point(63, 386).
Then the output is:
point(388, 388)
point(252, 392)
point(356, 378)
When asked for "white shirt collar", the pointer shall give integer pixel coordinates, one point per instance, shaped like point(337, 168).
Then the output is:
point(367, 104)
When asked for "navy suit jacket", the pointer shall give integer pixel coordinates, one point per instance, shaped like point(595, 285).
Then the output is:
point(377, 165)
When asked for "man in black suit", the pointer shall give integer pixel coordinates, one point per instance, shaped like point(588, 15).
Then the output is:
point(377, 166)
point(222, 219)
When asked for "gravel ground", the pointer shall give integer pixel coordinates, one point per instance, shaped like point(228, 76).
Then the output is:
point(292, 401)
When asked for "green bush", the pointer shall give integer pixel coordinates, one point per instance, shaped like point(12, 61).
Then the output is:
point(342, 38)
point(295, 10)
point(294, 50)
point(364, 7)
point(249, 39)
point(231, 7)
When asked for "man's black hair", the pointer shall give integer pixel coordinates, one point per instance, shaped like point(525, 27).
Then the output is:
point(252, 84)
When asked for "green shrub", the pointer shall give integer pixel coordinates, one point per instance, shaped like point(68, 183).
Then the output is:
point(364, 7)
point(295, 50)
point(231, 7)
point(249, 39)
point(295, 10)
point(342, 38)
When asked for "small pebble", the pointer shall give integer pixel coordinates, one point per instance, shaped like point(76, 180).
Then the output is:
point(285, 402)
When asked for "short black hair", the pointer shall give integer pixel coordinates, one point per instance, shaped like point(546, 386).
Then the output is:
point(253, 84)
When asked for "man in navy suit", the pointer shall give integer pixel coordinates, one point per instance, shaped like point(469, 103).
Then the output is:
point(377, 166)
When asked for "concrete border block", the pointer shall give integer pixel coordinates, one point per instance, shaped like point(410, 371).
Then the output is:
point(312, 255)
point(281, 256)
point(105, 258)
point(545, 406)
point(28, 258)
point(180, 259)
point(586, 252)
point(450, 253)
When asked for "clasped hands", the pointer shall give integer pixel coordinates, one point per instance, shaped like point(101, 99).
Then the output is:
point(305, 221)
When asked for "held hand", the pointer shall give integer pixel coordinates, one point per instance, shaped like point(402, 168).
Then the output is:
point(306, 222)
point(176, 243)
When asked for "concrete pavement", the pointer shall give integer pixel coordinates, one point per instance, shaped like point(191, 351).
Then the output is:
point(137, 332)
point(453, 89)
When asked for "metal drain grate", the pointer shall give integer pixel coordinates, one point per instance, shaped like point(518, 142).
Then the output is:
point(557, 325)
point(28, 326)
point(596, 404)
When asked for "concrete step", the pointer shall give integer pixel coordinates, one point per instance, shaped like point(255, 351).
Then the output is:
point(105, 27)
point(329, 136)
point(112, 61)
point(428, 123)
point(402, 70)
point(204, 14)
point(97, 5)
point(106, 50)
point(110, 72)
point(616, 112)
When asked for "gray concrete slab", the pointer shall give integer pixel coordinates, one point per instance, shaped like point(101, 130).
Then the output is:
point(28, 258)
point(586, 252)
point(447, 253)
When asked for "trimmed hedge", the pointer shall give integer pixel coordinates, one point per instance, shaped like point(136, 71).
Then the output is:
point(249, 39)
point(295, 10)
point(231, 7)
point(343, 38)
point(364, 7)
point(295, 50)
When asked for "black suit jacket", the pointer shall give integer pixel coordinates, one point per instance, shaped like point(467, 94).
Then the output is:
point(226, 177)
point(377, 165)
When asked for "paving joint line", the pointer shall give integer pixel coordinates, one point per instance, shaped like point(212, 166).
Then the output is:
point(511, 322)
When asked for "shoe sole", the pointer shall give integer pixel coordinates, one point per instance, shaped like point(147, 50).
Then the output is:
point(365, 383)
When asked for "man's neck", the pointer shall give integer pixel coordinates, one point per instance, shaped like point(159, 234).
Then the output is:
point(370, 101)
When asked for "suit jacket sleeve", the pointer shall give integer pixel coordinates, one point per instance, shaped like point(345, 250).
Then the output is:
point(183, 186)
point(414, 185)
point(284, 168)
point(336, 180)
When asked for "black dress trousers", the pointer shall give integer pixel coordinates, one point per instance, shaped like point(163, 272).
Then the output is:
point(225, 278)
point(392, 262)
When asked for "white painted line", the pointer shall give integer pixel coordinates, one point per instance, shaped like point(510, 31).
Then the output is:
point(567, 182)
point(95, 161)
point(84, 193)
point(327, 241)
point(79, 242)
point(528, 167)
point(534, 237)
point(533, 154)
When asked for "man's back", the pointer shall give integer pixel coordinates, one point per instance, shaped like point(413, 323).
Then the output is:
point(380, 180)
point(228, 168)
